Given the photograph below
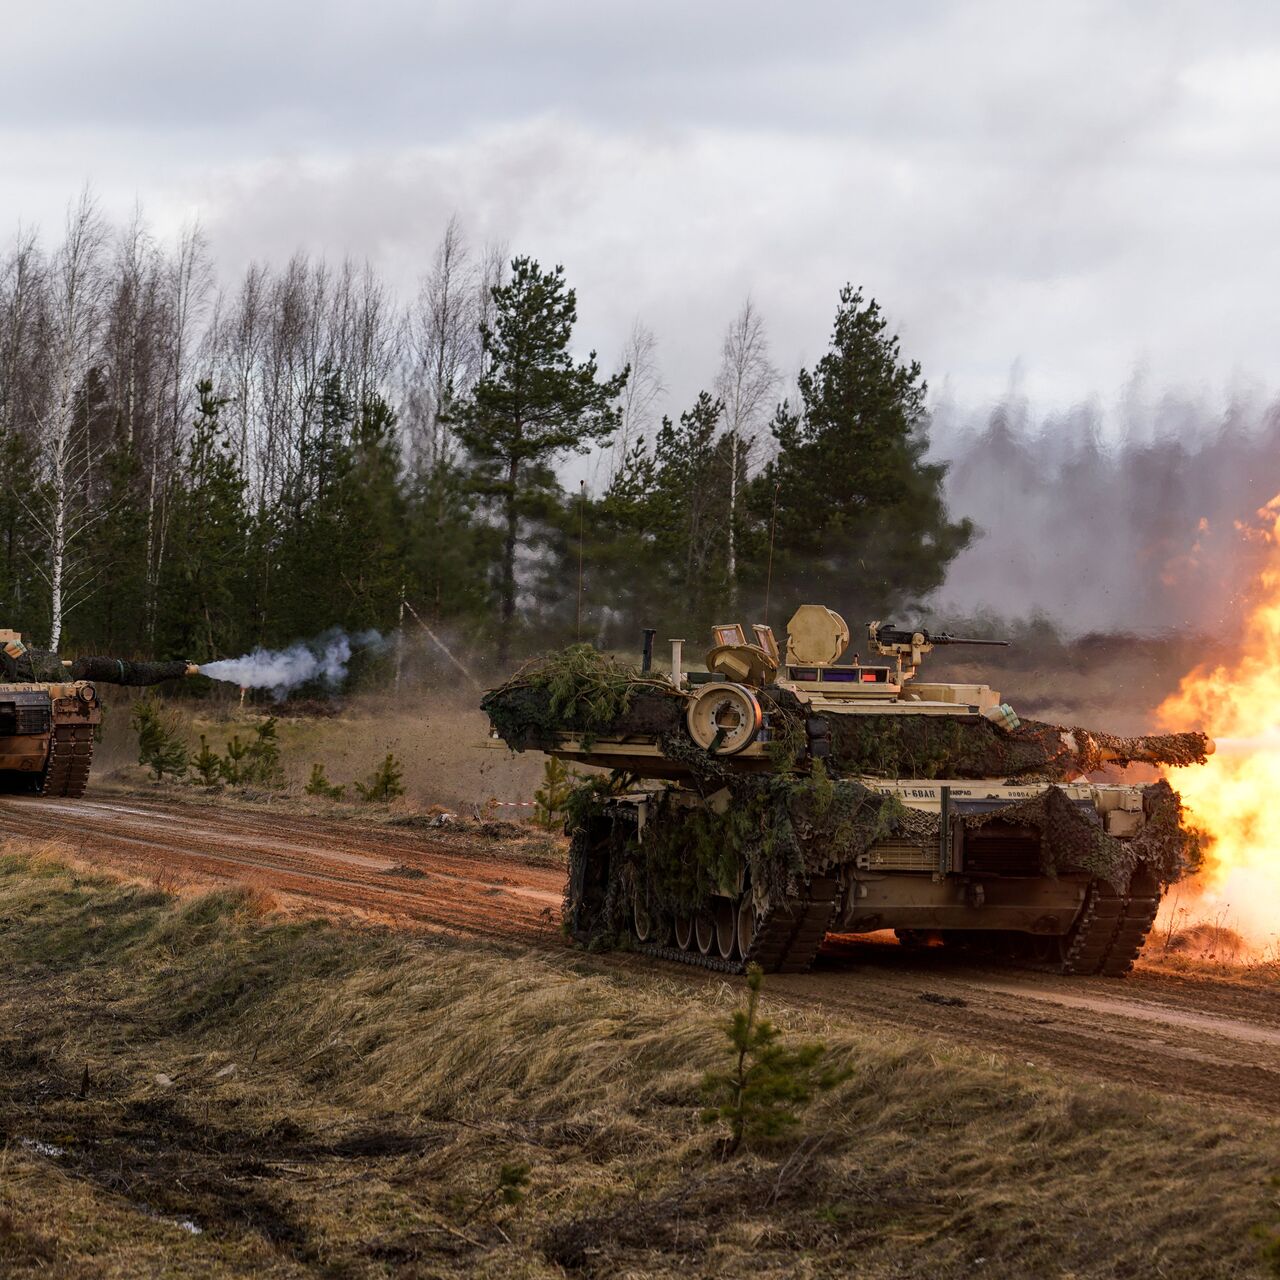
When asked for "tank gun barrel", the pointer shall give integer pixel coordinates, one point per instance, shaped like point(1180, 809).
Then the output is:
point(135, 674)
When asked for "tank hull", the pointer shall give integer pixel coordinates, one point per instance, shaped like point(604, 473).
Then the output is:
point(47, 736)
point(957, 873)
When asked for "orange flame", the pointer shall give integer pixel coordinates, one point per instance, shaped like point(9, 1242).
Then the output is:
point(1235, 797)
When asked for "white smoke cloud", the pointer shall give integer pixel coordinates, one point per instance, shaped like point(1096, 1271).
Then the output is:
point(1140, 528)
point(280, 670)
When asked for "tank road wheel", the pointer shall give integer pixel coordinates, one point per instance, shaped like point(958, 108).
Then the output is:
point(684, 932)
point(726, 922)
point(1048, 949)
point(746, 924)
point(643, 922)
point(704, 931)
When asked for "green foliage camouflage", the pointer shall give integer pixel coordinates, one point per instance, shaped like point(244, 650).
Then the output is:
point(580, 690)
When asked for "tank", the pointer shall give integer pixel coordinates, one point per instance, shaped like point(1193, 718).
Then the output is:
point(49, 713)
point(753, 809)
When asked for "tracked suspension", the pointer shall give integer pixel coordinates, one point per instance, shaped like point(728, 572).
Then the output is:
point(70, 758)
point(785, 939)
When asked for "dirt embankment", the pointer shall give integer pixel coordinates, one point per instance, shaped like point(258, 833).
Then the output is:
point(1212, 1040)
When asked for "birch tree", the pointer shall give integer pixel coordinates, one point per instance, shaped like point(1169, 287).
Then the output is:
point(445, 343)
point(745, 385)
point(21, 300)
point(75, 287)
point(643, 390)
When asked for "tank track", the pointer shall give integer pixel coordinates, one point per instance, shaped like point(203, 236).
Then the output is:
point(786, 939)
point(70, 759)
point(1111, 931)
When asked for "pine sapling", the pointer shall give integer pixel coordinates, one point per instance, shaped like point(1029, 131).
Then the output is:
point(233, 764)
point(385, 783)
point(160, 744)
point(264, 765)
point(761, 1093)
point(319, 785)
point(552, 798)
point(207, 764)
point(510, 1188)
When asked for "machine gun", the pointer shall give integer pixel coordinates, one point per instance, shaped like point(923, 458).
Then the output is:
point(910, 647)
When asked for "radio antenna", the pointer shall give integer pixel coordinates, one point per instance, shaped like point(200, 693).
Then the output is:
point(768, 577)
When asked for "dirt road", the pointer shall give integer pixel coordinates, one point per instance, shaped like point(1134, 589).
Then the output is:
point(1201, 1038)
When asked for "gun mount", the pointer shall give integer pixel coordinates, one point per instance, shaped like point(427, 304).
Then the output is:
point(910, 647)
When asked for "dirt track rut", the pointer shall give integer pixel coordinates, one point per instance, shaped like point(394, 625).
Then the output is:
point(1211, 1040)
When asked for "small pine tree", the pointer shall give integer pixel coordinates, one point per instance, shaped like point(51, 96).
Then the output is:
point(761, 1093)
point(510, 1187)
point(256, 762)
point(550, 800)
point(385, 783)
point(233, 764)
point(321, 786)
point(264, 767)
point(207, 764)
point(160, 744)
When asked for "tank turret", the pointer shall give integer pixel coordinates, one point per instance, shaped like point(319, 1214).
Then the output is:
point(799, 790)
point(49, 711)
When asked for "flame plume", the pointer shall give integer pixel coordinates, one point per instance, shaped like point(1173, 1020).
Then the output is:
point(1235, 797)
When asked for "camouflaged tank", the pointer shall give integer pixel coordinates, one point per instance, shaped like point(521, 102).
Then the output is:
point(754, 808)
point(49, 713)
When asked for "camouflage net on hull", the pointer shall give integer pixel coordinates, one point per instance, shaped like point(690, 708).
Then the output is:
point(783, 829)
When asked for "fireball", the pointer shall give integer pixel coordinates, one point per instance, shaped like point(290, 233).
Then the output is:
point(1235, 798)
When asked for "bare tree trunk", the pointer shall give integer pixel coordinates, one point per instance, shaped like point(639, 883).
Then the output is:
point(745, 383)
point(75, 289)
point(644, 388)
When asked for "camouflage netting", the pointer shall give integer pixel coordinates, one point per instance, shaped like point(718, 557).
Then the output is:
point(34, 666)
point(37, 666)
point(116, 671)
point(787, 828)
point(582, 691)
point(929, 746)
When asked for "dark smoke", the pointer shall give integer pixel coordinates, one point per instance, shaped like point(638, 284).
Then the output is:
point(1135, 526)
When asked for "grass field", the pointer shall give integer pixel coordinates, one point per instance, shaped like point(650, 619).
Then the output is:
point(192, 1087)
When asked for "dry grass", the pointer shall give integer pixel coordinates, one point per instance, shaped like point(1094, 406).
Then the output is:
point(334, 1102)
point(440, 736)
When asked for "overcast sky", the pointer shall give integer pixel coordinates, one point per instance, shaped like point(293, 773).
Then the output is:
point(1074, 189)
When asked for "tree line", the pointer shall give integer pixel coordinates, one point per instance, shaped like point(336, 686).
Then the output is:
point(194, 471)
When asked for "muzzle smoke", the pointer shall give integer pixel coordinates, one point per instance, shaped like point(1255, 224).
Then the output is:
point(324, 659)
point(1145, 526)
